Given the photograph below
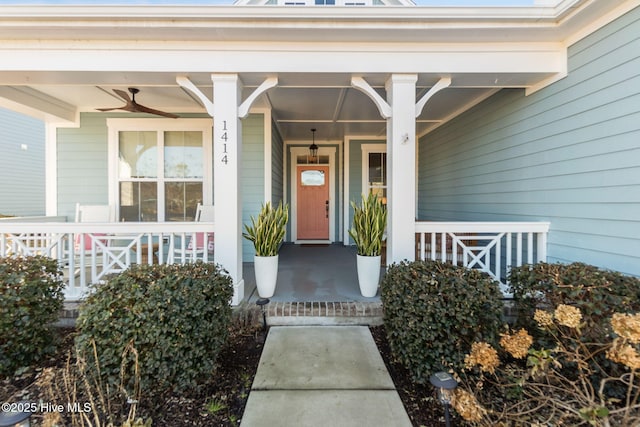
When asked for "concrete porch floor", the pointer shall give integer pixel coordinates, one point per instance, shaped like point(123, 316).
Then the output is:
point(317, 284)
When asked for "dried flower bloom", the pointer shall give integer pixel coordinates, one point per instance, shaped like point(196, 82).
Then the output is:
point(467, 406)
point(623, 353)
point(52, 419)
point(567, 315)
point(484, 355)
point(544, 318)
point(517, 344)
point(627, 326)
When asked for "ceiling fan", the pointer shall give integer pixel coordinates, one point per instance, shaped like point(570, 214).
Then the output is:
point(132, 106)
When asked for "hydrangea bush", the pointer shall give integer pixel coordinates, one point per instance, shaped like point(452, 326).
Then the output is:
point(519, 383)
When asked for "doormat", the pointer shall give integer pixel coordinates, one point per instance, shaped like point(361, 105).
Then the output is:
point(314, 245)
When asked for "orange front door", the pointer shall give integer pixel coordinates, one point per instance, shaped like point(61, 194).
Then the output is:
point(313, 202)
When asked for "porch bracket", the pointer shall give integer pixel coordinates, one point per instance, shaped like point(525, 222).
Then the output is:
point(243, 110)
point(185, 83)
point(362, 85)
point(444, 82)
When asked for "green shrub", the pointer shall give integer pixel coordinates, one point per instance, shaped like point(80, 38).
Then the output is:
point(176, 317)
point(597, 293)
point(31, 298)
point(434, 311)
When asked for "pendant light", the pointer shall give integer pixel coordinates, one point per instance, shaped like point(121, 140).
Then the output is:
point(313, 148)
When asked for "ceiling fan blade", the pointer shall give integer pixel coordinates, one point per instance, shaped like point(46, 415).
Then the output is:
point(132, 106)
point(128, 107)
point(143, 109)
point(122, 94)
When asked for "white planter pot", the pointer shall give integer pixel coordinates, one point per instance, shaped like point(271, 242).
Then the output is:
point(266, 269)
point(368, 274)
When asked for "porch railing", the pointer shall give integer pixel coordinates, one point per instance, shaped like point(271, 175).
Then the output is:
point(88, 252)
point(493, 247)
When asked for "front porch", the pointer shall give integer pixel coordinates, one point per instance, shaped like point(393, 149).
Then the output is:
point(312, 273)
point(307, 273)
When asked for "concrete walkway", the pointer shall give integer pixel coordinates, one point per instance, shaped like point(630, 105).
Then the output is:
point(322, 376)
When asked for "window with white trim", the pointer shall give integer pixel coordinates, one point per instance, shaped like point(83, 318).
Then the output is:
point(161, 174)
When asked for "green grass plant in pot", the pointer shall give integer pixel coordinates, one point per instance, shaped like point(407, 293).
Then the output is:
point(267, 233)
point(368, 231)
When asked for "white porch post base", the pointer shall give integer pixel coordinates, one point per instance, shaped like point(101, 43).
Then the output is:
point(401, 152)
point(227, 150)
point(238, 292)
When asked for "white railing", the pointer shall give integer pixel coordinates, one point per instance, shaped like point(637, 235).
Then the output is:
point(88, 252)
point(493, 247)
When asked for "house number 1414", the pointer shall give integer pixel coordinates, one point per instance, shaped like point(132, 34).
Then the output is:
point(224, 138)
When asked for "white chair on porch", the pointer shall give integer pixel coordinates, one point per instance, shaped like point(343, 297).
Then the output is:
point(93, 213)
point(90, 213)
point(90, 244)
point(202, 241)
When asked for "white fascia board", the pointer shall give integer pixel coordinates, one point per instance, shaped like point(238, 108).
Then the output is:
point(127, 24)
point(613, 14)
point(159, 13)
point(292, 57)
point(149, 16)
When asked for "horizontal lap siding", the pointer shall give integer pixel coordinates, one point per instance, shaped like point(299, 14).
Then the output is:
point(22, 159)
point(82, 164)
point(568, 154)
point(355, 174)
point(277, 168)
point(252, 174)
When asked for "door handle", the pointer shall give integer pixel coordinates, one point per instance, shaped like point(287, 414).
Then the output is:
point(326, 208)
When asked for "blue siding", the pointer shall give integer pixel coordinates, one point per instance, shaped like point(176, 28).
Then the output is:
point(355, 174)
point(82, 164)
point(252, 174)
point(277, 159)
point(568, 154)
point(22, 164)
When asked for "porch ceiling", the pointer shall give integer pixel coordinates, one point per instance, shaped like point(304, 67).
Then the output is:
point(301, 101)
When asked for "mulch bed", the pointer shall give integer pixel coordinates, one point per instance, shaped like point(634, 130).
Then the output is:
point(221, 401)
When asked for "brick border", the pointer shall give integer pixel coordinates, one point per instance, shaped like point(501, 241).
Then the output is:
point(324, 309)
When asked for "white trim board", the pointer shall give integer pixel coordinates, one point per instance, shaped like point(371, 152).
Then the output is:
point(346, 157)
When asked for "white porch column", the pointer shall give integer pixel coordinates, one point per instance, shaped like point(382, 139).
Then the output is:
point(401, 151)
point(227, 148)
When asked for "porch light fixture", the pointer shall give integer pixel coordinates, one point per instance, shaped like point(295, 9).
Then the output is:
point(17, 418)
point(313, 148)
point(445, 384)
